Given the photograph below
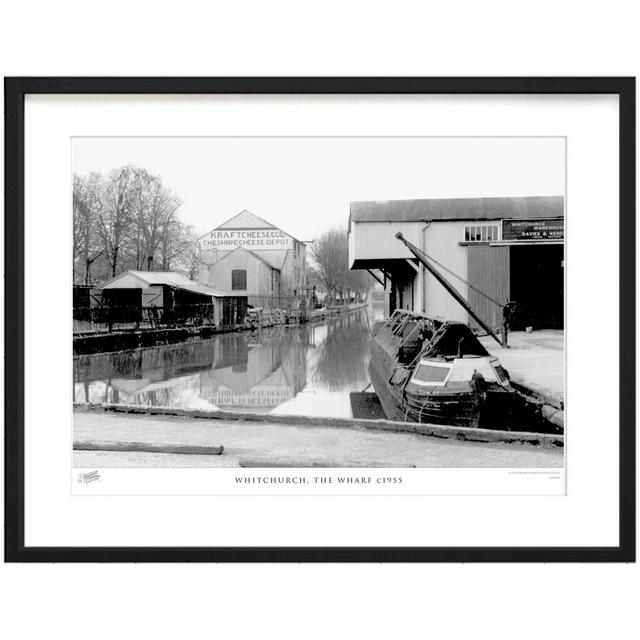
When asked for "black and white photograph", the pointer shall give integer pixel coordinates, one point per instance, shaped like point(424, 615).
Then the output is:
point(320, 320)
point(318, 302)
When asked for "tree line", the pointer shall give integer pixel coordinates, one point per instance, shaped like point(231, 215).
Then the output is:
point(128, 220)
point(330, 254)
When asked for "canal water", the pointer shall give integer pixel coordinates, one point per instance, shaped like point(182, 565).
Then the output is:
point(317, 369)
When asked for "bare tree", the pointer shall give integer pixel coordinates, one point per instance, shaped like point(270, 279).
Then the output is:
point(128, 220)
point(189, 257)
point(358, 282)
point(115, 215)
point(87, 207)
point(330, 252)
point(154, 210)
point(179, 250)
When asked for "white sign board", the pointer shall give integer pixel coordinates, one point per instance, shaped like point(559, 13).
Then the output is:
point(252, 239)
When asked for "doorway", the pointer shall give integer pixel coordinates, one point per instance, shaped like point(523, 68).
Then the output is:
point(537, 286)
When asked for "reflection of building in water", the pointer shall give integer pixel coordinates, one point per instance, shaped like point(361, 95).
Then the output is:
point(299, 369)
point(175, 392)
point(156, 376)
point(232, 371)
point(271, 372)
point(339, 360)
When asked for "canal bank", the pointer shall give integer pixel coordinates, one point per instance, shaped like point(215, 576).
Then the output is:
point(468, 434)
point(318, 369)
point(273, 444)
point(535, 362)
point(102, 342)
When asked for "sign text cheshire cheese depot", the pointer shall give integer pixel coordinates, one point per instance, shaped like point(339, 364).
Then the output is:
point(252, 239)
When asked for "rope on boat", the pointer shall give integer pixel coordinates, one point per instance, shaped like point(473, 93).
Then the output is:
point(420, 414)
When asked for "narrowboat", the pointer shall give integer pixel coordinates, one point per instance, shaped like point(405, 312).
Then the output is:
point(434, 371)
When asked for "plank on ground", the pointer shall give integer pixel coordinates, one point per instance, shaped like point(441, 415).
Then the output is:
point(83, 445)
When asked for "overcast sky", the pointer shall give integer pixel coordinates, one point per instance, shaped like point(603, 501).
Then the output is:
point(304, 185)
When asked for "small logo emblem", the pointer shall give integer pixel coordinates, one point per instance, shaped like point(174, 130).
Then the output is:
point(86, 478)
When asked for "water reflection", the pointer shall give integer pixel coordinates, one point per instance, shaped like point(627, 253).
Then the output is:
point(309, 370)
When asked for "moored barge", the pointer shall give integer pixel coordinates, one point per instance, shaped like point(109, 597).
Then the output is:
point(433, 371)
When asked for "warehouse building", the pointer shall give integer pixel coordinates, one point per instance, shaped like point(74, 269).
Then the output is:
point(251, 256)
point(492, 250)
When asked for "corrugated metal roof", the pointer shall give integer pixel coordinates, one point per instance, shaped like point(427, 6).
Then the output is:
point(204, 290)
point(170, 278)
point(457, 209)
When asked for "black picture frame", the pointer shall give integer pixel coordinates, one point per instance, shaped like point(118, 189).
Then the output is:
point(15, 91)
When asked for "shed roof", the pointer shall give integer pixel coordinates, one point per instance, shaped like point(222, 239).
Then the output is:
point(134, 279)
point(161, 277)
point(205, 290)
point(457, 209)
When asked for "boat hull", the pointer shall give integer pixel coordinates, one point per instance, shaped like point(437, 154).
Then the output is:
point(458, 402)
point(454, 410)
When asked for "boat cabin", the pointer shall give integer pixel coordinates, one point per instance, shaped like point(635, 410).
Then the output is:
point(440, 372)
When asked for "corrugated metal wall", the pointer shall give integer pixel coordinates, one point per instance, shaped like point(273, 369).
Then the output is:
point(376, 241)
point(488, 270)
point(442, 242)
point(484, 266)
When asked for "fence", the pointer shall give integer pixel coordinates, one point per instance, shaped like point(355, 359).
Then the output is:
point(285, 303)
point(111, 318)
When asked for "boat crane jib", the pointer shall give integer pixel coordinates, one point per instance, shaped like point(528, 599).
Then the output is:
point(455, 294)
point(435, 371)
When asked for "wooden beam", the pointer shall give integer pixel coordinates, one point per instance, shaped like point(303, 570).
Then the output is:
point(373, 275)
point(414, 265)
point(148, 447)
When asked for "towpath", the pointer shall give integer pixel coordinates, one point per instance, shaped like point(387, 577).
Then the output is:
point(248, 442)
point(535, 361)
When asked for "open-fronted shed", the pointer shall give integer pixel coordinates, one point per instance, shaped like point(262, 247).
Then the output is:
point(174, 297)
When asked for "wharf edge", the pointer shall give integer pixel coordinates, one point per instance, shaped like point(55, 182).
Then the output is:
point(438, 431)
